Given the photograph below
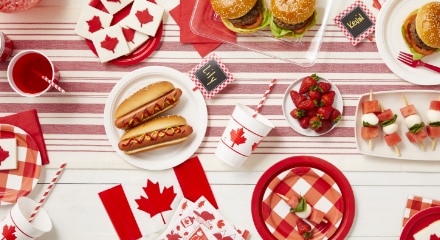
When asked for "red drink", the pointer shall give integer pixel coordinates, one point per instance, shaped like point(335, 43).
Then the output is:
point(28, 72)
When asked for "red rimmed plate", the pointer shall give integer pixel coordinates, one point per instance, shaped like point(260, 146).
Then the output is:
point(419, 221)
point(142, 51)
point(322, 184)
point(19, 182)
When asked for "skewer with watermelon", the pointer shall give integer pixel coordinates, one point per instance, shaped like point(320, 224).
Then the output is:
point(388, 121)
point(433, 127)
point(370, 120)
point(414, 123)
point(308, 212)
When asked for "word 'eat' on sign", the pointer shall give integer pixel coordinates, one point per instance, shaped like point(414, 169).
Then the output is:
point(210, 76)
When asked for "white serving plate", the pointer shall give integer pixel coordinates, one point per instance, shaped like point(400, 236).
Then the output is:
point(394, 101)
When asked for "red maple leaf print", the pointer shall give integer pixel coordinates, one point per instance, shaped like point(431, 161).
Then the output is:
point(433, 237)
point(109, 43)
point(144, 16)
point(8, 232)
point(220, 224)
point(156, 202)
point(3, 155)
point(219, 236)
point(237, 137)
point(173, 236)
point(94, 24)
point(128, 34)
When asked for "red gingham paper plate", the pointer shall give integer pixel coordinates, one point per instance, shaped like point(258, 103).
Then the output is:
point(19, 182)
point(419, 221)
point(321, 183)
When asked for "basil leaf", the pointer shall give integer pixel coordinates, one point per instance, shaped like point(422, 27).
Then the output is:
point(435, 124)
point(367, 124)
point(390, 121)
point(416, 128)
point(302, 205)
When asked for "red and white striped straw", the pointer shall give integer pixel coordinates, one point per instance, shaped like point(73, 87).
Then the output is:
point(52, 83)
point(46, 193)
point(263, 99)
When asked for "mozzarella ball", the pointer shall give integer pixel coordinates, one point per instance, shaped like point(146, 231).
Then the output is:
point(389, 129)
point(370, 118)
point(433, 115)
point(306, 213)
point(412, 120)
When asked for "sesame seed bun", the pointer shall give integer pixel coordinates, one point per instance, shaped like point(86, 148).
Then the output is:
point(292, 11)
point(232, 9)
point(428, 24)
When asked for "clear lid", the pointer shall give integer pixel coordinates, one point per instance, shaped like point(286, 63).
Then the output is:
point(301, 51)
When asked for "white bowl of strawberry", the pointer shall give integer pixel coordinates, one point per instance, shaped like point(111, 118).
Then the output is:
point(312, 105)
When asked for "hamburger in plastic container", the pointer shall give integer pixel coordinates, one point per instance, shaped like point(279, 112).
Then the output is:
point(421, 30)
point(242, 16)
point(292, 18)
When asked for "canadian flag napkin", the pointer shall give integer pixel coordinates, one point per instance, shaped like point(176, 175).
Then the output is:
point(143, 209)
point(416, 204)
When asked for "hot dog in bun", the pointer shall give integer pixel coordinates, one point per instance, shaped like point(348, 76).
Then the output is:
point(292, 18)
point(242, 16)
point(421, 30)
point(146, 104)
point(157, 133)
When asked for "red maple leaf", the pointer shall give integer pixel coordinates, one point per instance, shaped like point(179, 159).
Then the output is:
point(109, 43)
point(128, 34)
point(237, 137)
point(94, 24)
point(219, 236)
point(433, 237)
point(220, 224)
point(8, 232)
point(156, 202)
point(144, 16)
point(3, 155)
point(173, 236)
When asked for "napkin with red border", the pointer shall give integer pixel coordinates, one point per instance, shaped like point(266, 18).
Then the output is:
point(416, 204)
point(29, 122)
point(147, 209)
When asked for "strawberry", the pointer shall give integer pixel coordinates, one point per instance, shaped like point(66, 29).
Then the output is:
point(324, 86)
point(315, 95)
point(307, 83)
point(304, 229)
point(315, 123)
point(304, 122)
point(311, 113)
point(326, 125)
point(324, 112)
point(296, 97)
point(328, 98)
point(336, 116)
point(297, 113)
point(307, 104)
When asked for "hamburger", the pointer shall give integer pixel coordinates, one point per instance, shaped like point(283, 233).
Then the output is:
point(421, 30)
point(242, 16)
point(292, 18)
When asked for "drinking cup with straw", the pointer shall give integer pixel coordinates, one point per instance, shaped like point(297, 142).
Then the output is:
point(245, 130)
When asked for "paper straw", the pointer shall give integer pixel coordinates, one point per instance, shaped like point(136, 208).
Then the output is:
point(52, 83)
point(266, 93)
point(46, 193)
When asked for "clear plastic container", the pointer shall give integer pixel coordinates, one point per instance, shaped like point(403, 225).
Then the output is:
point(301, 51)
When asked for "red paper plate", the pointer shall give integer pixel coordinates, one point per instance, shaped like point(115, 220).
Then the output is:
point(19, 182)
point(142, 51)
point(319, 181)
point(419, 221)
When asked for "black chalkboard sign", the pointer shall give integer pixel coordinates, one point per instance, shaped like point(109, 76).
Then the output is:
point(356, 22)
point(211, 75)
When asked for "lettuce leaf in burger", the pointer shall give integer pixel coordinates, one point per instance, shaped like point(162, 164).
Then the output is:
point(292, 18)
point(421, 30)
point(242, 16)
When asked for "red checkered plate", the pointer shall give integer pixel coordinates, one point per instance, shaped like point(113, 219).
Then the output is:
point(19, 182)
point(322, 184)
point(420, 221)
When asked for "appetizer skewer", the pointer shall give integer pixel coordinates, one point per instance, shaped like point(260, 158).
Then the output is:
point(387, 120)
point(414, 123)
point(370, 120)
point(310, 213)
point(433, 127)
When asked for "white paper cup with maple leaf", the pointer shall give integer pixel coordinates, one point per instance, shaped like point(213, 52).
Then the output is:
point(16, 225)
point(242, 135)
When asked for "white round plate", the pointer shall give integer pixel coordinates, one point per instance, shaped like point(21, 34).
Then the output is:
point(390, 42)
point(289, 106)
point(192, 107)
